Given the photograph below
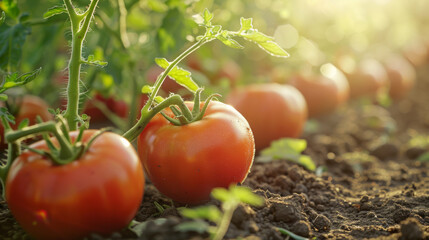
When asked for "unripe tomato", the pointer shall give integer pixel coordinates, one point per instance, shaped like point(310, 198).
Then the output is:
point(323, 94)
point(273, 111)
point(98, 193)
point(186, 162)
point(402, 76)
point(367, 79)
point(28, 107)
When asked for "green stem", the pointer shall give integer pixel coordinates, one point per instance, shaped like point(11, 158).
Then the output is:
point(79, 31)
point(229, 208)
point(123, 23)
point(14, 150)
point(134, 132)
point(146, 113)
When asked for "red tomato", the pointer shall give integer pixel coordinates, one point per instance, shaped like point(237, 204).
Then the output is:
point(186, 162)
point(323, 94)
point(29, 107)
point(98, 193)
point(274, 111)
point(367, 79)
point(119, 107)
point(402, 76)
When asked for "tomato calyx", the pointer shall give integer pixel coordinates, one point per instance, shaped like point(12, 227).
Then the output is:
point(185, 116)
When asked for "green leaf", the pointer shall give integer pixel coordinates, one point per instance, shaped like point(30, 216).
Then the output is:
point(228, 41)
point(147, 89)
point(95, 62)
point(139, 227)
point(179, 75)
point(24, 123)
point(210, 212)
point(54, 11)
point(273, 49)
point(291, 234)
point(288, 149)
point(10, 7)
point(246, 24)
point(245, 195)
point(6, 114)
point(256, 36)
point(11, 42)
point(207, 16)
point(221, 194)
point(14, 80)
point(2, 18)
point(198, 226)
point(158, 99)
point(424, 157)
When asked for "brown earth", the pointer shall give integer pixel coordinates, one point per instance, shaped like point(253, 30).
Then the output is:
point(372, 186)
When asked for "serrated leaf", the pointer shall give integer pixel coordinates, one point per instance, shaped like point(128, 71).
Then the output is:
point(246, 195)
point(12, 39)
point(24, 123)
point(256, 36)
point(288, 149)
point(147, 89)
point(10, 7)
point(291, 234)
point(210, 212)
point(273, 49)
point(2, 18)
point(6, 114)
point(14, 80)
point(198, 226)
point(207, 17)
point(246, 24)
point(228, 41)
point(95, 62)
point(179, 75)
point(54, 11)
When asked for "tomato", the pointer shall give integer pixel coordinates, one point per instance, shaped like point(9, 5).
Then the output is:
point(402, 76)
point(323, 94)
point(367, 79)
point(28, 107)
point(118, 107)
point(98, 193)
point(273, 111)
point(186, 162)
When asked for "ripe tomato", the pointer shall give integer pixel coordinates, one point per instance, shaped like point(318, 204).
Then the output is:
point(323, 94)
point(402, 76)
point(98, 193)
point(367, 79)
point(28, 107)
point(118, 107)
point(186, 162)
point(273, 110)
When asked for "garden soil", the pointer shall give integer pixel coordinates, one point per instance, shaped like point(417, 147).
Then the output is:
point(370, 185)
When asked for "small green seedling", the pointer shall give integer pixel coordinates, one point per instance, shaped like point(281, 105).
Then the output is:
point(288, 149)
point(290, 234)
point(230, 200)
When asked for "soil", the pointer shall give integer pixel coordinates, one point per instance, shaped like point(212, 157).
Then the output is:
point(370, 185)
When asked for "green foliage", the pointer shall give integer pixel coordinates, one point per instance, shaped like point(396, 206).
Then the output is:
point(10, 7)
point(180, 75)
point(4, 113)
point(2, 18)
point(230, 199)
point(12, 39)
point(55, 11)
point(288, 149)
point(15, 79)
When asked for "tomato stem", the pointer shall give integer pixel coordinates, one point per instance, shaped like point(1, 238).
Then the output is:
point(79, 31)
point(228, 208)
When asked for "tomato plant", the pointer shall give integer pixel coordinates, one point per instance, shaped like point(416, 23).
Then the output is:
point(323, 92)
point(402, 76)
point(186, 162)
point(273, 110)
point(100, 192)
point(95, 106)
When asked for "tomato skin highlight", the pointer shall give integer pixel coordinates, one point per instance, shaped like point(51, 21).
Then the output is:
point(273, 111)
point(98, 193)
point(186, 162)
point(323, 95)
